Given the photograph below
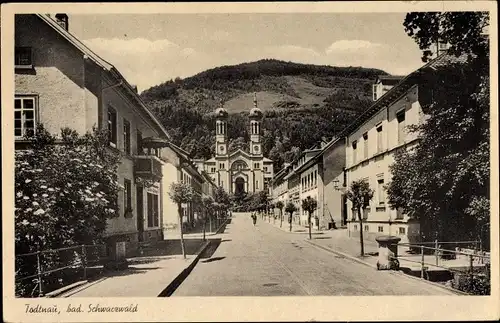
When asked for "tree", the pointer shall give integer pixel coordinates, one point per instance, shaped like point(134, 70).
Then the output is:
point(208, 204)
point(290, 208)
point(309, 204)
point(444, 181)
point(64, 194)
point(360, 194)
point(222, 201)
point(463, 31)
point(181, 193)
point(280, 205)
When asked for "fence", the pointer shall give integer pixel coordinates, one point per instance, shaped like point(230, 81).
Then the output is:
point(47, 270)
point(469, 262)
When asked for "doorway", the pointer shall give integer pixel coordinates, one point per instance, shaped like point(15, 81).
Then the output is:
point(239, 184)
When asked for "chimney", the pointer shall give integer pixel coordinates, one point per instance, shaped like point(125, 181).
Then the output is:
point(135, 88)
point(62, 20)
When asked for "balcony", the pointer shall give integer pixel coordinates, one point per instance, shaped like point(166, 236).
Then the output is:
point(147, 168)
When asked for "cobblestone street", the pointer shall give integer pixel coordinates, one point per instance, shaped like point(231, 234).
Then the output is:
point(266, 261)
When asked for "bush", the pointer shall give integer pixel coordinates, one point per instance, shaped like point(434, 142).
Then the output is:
point(479, 284)
point(65, 190)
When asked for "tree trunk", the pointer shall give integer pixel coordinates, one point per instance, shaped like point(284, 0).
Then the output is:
point(309, 220)
point(290, 223)
point(361, 233)
point(210, 220)
point(281, 218)
point(179, 209)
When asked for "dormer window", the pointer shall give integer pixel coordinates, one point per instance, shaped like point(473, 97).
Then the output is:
point(23, 57)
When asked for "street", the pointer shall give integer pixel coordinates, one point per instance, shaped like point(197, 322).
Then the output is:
point(265, 261)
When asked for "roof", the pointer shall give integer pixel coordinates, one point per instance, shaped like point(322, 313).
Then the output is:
point(396, 91)
point(103, 64)
point(389, 79)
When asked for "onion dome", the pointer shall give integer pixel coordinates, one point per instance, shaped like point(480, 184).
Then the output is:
point(221, 113)
point(255, 113)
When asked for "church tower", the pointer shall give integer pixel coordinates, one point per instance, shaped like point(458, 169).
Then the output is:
point(255, 120)
point(221, 142)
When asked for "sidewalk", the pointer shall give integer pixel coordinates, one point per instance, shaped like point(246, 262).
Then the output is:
point(157, 274)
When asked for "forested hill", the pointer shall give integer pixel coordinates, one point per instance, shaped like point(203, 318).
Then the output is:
point(302, 104)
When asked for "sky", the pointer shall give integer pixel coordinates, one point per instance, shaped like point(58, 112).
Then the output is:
point(149, 49)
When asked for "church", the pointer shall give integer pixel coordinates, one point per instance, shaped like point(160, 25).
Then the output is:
point(239, 171)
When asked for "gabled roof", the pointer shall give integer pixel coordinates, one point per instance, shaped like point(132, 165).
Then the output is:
point(267, 159)
point(87, 52)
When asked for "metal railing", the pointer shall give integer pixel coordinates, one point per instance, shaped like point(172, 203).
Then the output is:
point(477, 259)
point(76, 257)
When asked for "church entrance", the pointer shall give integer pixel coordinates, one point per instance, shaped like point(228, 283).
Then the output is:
point(239, 184)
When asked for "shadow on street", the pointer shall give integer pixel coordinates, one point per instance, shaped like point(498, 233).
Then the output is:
point(213, 259)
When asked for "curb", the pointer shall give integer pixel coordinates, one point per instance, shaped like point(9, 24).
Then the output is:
point(286, 231)
point(219, 228)
point(341, 254)
point(65, 289)
point(392, 272)
point(77, 289)
point(170, 289)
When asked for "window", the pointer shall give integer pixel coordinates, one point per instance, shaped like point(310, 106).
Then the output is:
point(355, 227)
point(402, 230)
point(374, 89)
point(315, 177)
point(365, 145)
point(24, 116)
point(153, 220)
point(380, 229)
point(112, 126)
point(221, 165)
point(140, 151)
point(127, 196)
point(354, 151)
point(126, 136)
point(265, 169)
point(256, 165)
point(212, 170)
point(367, 228)
point(256, 185)
point(222, 183)
point(379, 139)
point(401, 126)
point(399, 214)
point(23, 57)
point(381, 191)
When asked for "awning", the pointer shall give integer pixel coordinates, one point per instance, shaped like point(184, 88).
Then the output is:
point(154, 142)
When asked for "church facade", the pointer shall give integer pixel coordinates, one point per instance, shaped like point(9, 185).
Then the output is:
point(239, 171)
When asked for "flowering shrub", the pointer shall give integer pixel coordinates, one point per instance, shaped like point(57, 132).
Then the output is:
point(65, 190)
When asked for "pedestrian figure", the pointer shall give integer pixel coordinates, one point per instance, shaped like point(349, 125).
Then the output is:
point(254, 218)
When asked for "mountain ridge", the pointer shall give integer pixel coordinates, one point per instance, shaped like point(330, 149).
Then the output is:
point(302, 103)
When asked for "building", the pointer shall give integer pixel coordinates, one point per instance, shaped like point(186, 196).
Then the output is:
point(61, 83)
point(178, 167)
point(320, 174)
point(240, 171)
point(302, 181)
point(280, 187)
point(384, 83)
point(371, 142)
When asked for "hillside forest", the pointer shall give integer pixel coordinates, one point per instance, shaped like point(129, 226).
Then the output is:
point(302, 105)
